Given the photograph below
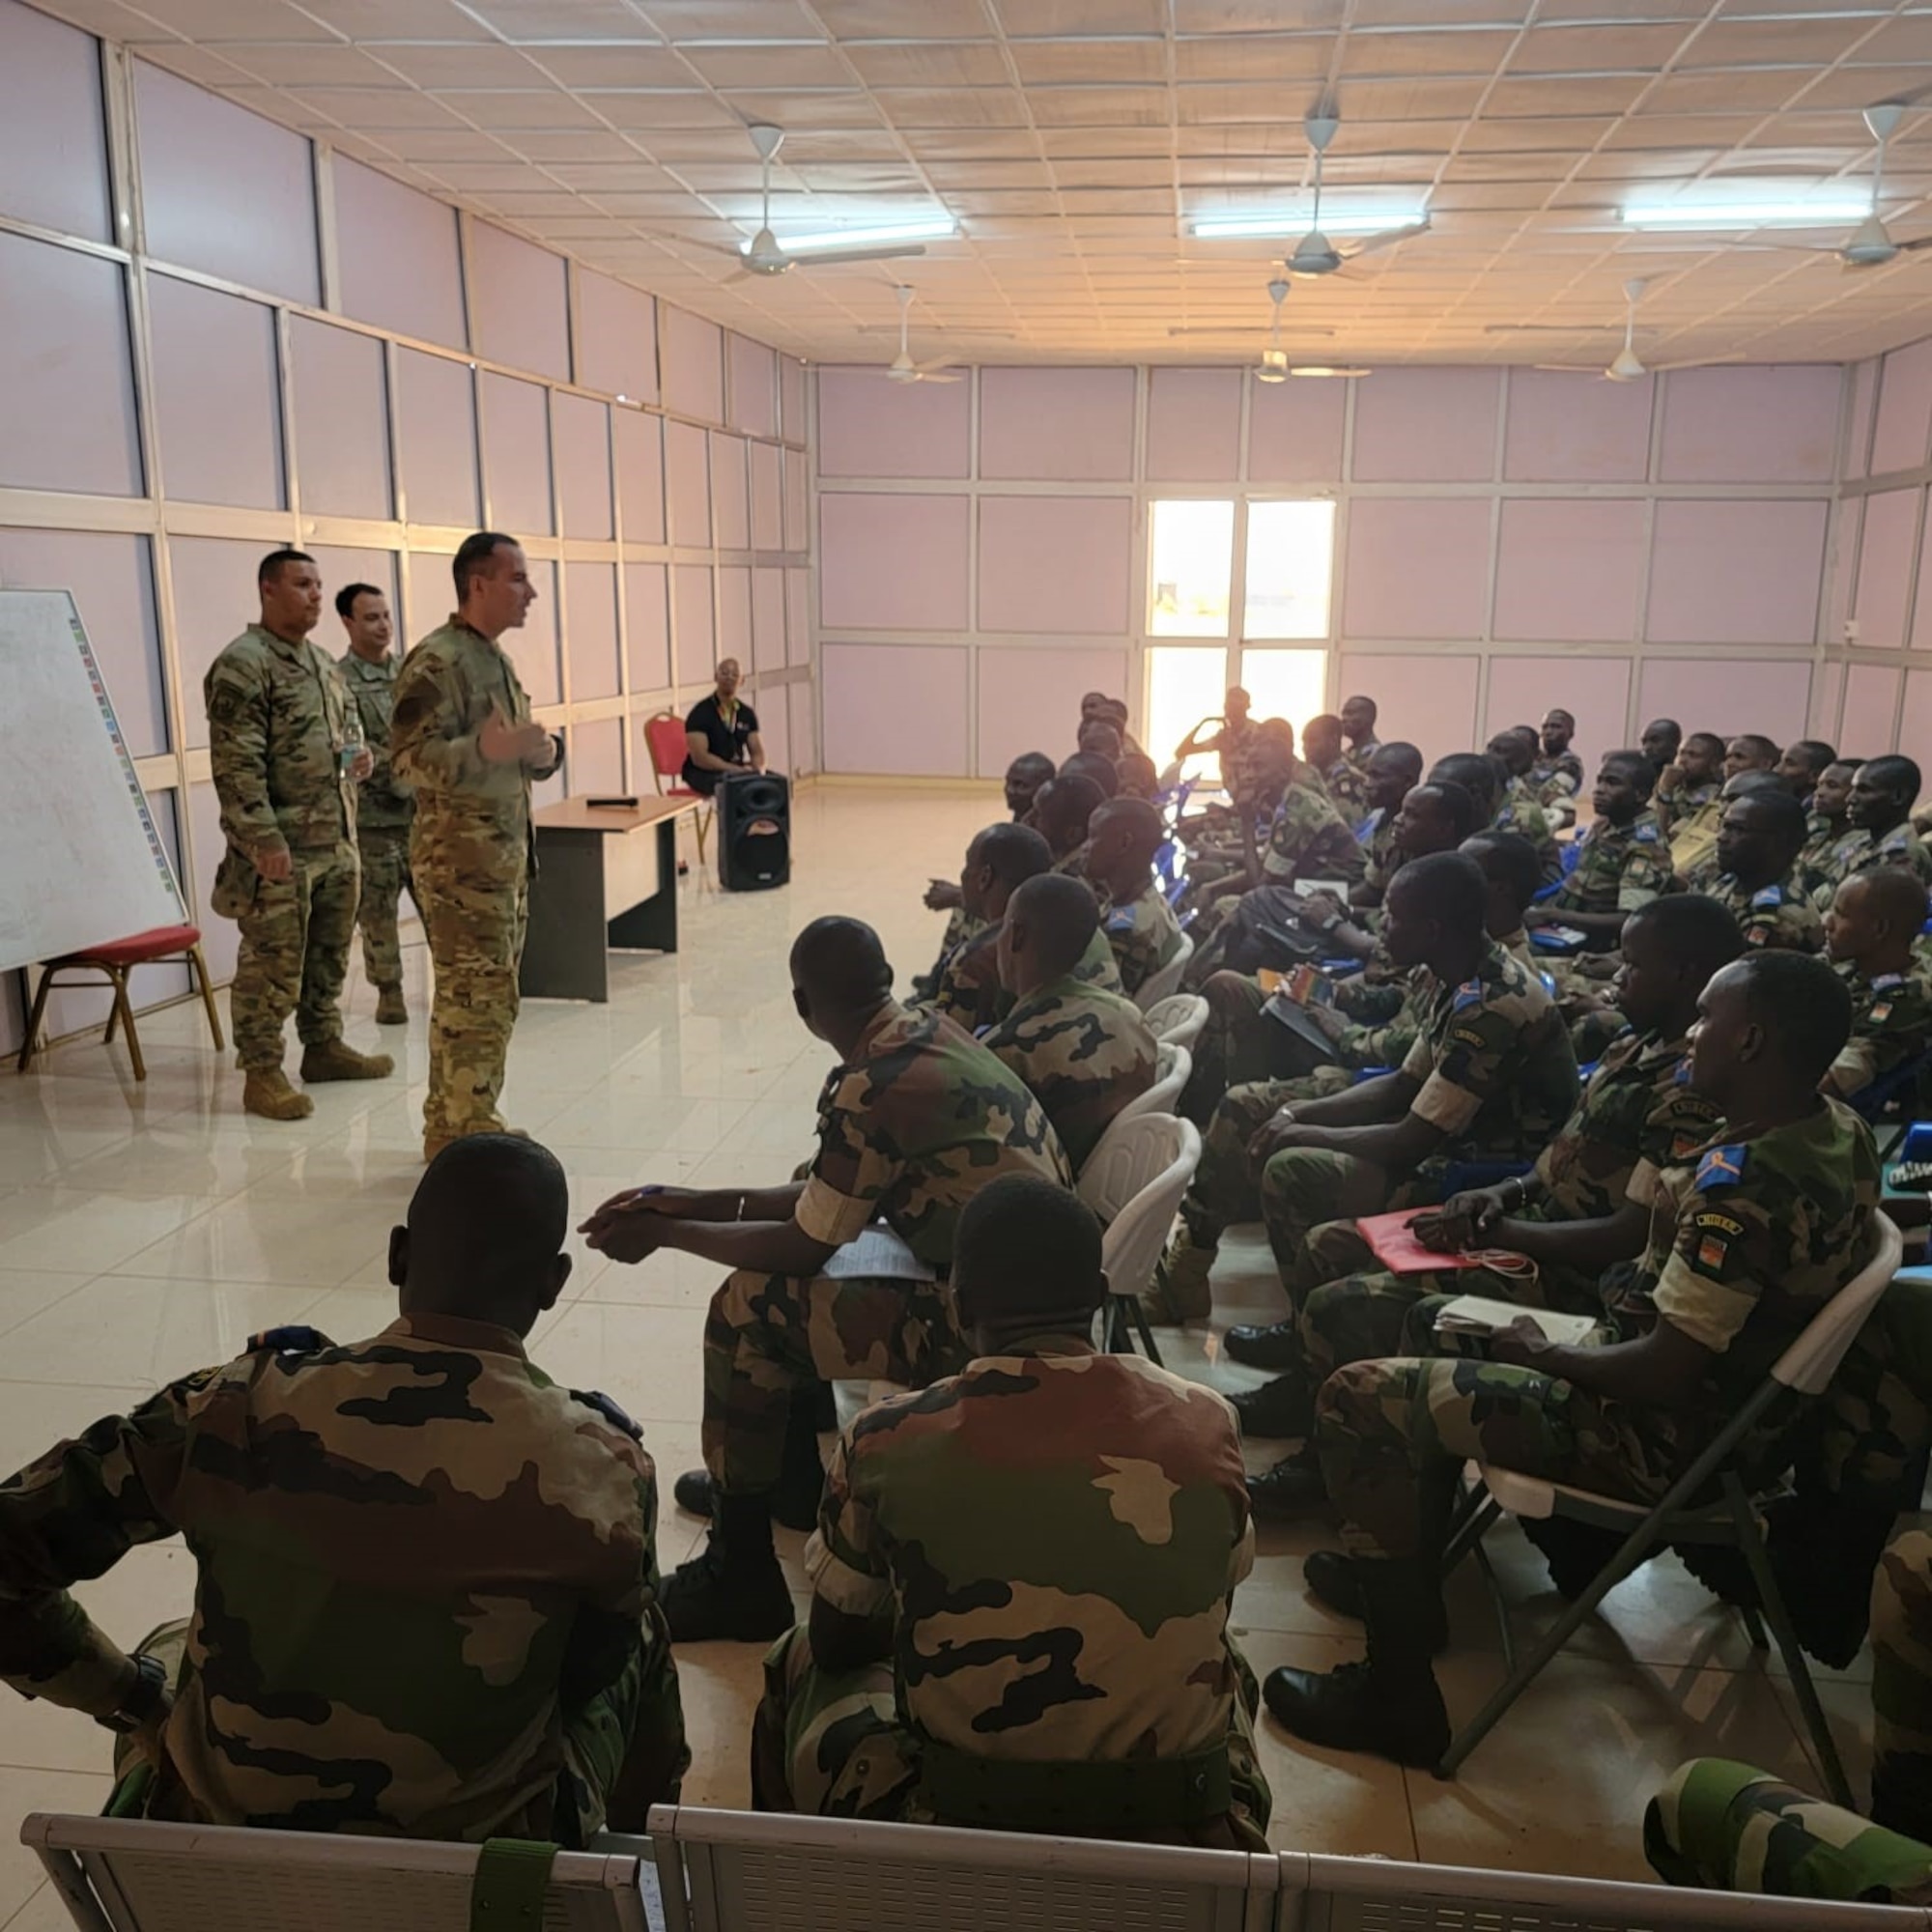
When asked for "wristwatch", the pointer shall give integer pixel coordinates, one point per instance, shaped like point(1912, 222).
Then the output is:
point(145, 1696)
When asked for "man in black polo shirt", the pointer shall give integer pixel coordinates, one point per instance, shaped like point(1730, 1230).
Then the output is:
point(721, 734)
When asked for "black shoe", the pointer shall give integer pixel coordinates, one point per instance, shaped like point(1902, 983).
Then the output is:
point(1276, 1409)
point(794, 1503)
point(1288, 1492)
point(1332, 1583)
point(714, 1597)
point(1275, 1345)
point(1347, 1709)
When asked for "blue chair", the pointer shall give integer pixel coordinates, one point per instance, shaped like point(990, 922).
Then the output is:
point(1902, 1082)
point(1344, 967)
point(1546, 941)
point(1548, 983)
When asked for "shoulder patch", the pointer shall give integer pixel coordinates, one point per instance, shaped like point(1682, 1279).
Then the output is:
point(1644, 835)
point(1770, 896)
point(1721, 1167)
point(1722, 1224)
point(1466, 1035)
point(295, 1338)
point(1122, 920)
point(1468, 994)
point(1680, 1075)
point(1881, 1013)
point(608, 1410)
point(1886, 981)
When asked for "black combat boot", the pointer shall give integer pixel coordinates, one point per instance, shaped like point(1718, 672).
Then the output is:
point(733, 1587)
point(1330, 1577)
point(1275, 1345)
point(801, 1480)
point(1294, 1488)
point(1282, 1408)
point(1389, 1704)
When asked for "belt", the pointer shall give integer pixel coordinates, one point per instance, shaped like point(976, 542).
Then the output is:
point(1078, 1796)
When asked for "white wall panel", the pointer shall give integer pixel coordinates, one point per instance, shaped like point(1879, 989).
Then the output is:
point(342, 421)
point(218, 386)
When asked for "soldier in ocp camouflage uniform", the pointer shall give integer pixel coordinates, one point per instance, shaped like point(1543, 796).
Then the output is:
point(1727, 1827)
point(1022, 1580)
point(384, 812)
point(463, 738)
point(912, 1123)
point(278, 723)
point(1748, 1239)
point(425, 1575)
point(1085, 1052)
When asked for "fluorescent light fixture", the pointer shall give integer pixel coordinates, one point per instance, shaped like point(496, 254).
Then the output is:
point(1816, 212)
point(1295, 221)
point(928, 228)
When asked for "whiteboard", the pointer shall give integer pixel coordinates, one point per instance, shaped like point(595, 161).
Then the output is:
point(81, 861)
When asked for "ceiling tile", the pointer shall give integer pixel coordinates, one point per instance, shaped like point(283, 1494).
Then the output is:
point(930, 64)
point(1099, 107)
point(810, 110)
point(938, 107)
point(376, 107)
point(751, 66)
point(650, 112)
point(731, 19)
point(562, 19)
point(1090, 62)
point(1055, 17)
point(398, 19)
point(585, 146)
point(895, 20)
point(513, 107)
point(461, 67)
point(1254, 17)
point(615, 67)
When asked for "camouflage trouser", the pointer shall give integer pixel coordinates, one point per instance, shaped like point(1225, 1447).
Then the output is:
point(624, 1752)
point(769, 1335)
point(475, 929)
point(830, 1744)
point(1239, 1044)
point(386, 872)
point(293, 957)
point(1393, 1436)
point(1723, 1827)
point(1875, 1419)
point(1901, 1635)
point(1305, 1189)
point(1223, 1189)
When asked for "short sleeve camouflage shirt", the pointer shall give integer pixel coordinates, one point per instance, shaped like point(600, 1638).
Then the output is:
point(1310, 839)
point(1618, 868)
point(1144, 933)
point(1494, 1061)
point(1892, 1026)
point(1778, 917)
point(911, 1127)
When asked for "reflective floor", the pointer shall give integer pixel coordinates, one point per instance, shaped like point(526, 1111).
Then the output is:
point(146, 1229)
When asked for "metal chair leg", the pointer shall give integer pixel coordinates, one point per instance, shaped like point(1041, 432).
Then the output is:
point(1137, 1315)
point(1753, 1625)
point(198, 967)
point(124, 1006)
point(1778, 1618)
point(34, 1018)
point(1638, 1544)
point(113, 1009)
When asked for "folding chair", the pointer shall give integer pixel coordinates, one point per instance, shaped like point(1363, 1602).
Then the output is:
point(114, 961)
point(1684, 1514)
point(1133, 1181)
point(1164, 984)
point(1181, 1017)
point(664, 733)
point(1171, 1071)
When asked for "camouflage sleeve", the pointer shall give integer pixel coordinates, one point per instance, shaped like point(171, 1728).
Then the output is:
point(375, 737)
point(1476, 1055)
point(1645, 876)
point(1724, 1254)
point(609, 1629)
point(849, 1174)
point(428, 746)
point(842, 1562)
point(71, 1515)
point(1887, 1035)
point(238, 755)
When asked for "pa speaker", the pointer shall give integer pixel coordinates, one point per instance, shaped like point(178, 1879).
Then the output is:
point(753, 831)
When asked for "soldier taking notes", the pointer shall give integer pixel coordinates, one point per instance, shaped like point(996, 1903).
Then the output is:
point(463, 738)
point(285, 750)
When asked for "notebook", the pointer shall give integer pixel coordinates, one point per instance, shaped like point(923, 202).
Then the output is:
point(1478, 1314)
point(1399, 1250)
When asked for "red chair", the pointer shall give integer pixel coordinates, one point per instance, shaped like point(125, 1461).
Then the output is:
point(664, 733)
point(115, 960)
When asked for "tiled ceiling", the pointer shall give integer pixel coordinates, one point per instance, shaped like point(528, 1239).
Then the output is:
point(1075, 139)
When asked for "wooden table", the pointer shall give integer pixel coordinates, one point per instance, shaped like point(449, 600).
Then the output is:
point(607, 876)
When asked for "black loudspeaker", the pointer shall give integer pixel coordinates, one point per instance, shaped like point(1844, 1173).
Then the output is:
point(753, 831)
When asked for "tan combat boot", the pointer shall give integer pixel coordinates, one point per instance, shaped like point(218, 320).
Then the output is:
point(1180, 1291)
point(265, 1091)
point(337, 1060)
point(391, 1009)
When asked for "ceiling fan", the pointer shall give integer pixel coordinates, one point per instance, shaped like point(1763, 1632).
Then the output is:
point(1626, 365)
point(902, 369)
point(764, 254)
point(1315, 254)
point(1870, 245)
point(1275, 355)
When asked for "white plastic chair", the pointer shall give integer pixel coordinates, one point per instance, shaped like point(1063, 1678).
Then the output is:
point(1181, 1017)
point(1171, 1073)
point(1133, 1181)
point(1682, 1516)
point(1166, 982)
point(133, 1875)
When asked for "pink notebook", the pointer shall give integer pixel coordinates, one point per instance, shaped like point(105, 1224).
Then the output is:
point(1401, 1253)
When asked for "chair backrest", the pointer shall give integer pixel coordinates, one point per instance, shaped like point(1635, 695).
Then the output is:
point(1135, 1149)
point(1181, 1017)
point(1171, 1073)
point(1133, 1241)
point(1160, 985)
point(664, 733)
point(722, 1871)
point(1810, 1362)
point(142, 1877)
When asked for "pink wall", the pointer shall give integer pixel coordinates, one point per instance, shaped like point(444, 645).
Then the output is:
point(1416, 566)
point(877, 428)
point(1054, 563)
point(1772, 424)
point(1194, 425)
point(1569, 570)
point(1899, 433)
point(1737, 573)
point(1567, 428)
point(869, 692)
point(924, 588)
point(1430, 701)
point(1594, 689)
point(1870, 709)
point(1888, 544)
point(1057, 424)
point(1027, 698)
point(1770, 695)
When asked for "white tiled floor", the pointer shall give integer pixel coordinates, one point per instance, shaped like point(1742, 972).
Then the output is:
point(146, 1230)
